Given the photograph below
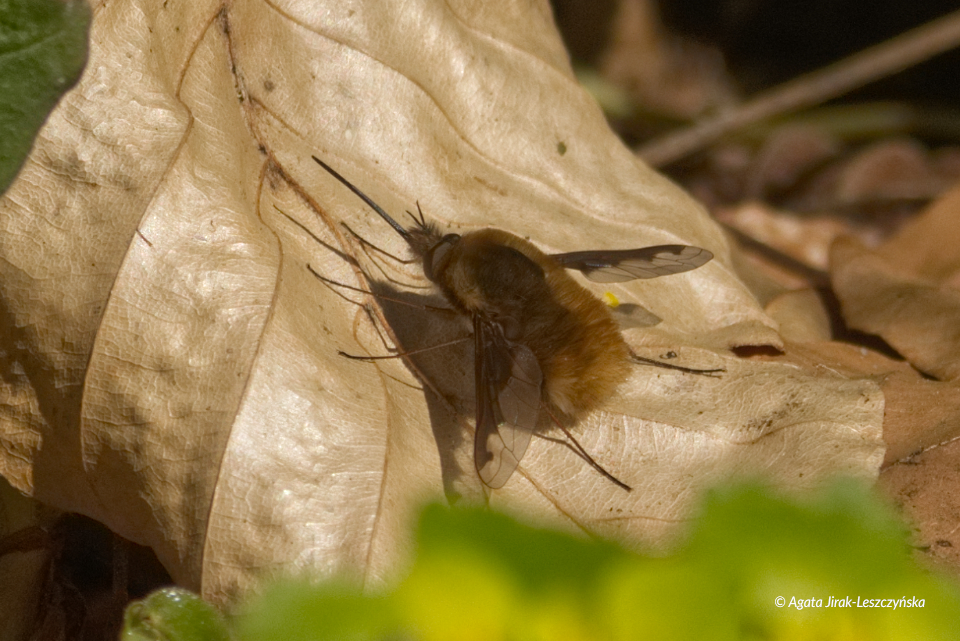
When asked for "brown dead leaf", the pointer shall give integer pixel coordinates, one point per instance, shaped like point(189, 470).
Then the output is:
point(929, 247)
point(920, 319)
point(171, 365)
point(664, 73)
point(905, 291)
point(789, 153)
point(925, 489)
point(894, 169)
point(920, 413)
point(24, 560)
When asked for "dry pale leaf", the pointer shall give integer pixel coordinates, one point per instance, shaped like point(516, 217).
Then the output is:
point(918, 413)
point(171, 365)
point(806, 239)
point(802, 316)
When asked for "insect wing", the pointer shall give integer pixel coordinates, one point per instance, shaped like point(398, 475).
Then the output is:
point(508, 382)
point(615, 266)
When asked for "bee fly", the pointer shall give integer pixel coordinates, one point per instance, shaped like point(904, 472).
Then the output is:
point(541, 340)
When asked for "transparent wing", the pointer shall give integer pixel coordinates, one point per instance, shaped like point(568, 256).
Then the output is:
point(615, 266)
point(508, 382)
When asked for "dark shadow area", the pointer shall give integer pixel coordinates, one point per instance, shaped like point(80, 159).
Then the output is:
point(767, 43)
point(445, 370)
point(91, 575)
point(844, 333)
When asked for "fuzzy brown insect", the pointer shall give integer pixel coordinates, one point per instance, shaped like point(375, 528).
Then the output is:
point(541, 340)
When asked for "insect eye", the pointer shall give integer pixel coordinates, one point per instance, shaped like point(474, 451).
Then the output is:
point(438, 255)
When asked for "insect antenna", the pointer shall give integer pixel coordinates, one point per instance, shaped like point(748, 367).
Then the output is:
point(374, 206)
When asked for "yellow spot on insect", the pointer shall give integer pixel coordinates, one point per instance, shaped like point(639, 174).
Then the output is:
point(610, 299)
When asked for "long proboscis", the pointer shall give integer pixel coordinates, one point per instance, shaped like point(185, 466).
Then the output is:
point(374, 206)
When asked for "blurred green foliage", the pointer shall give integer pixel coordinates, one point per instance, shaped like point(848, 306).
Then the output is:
point(43, 49)
point(482, 576)
point(173, 614)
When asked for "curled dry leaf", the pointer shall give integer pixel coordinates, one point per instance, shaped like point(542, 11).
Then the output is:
point(802, 316)
point(906, 291)
point(171, 364)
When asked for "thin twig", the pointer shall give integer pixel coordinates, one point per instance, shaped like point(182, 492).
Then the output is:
point(861, 68)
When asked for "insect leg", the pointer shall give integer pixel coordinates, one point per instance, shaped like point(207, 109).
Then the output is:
point(335, 283)
point(687, 370)
point(319, 241)
point(332, 283)
point(366, 243)
point(580, 451)
point(402, 354)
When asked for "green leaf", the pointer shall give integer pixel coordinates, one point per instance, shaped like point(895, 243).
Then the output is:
point(846, 543)
point(298, 611)
point(666, 599)
point(43, 49)
point(173, 614)
point(480, 575)
point(541, 560)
